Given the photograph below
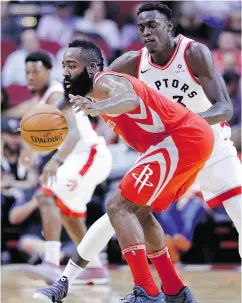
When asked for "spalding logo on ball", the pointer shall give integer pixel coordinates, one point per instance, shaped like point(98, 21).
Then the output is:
point(44, 128)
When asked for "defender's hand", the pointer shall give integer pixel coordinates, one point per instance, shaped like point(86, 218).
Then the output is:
point(48, 175)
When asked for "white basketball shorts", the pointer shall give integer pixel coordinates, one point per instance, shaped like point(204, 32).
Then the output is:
point(78, 177)
point(221, 178)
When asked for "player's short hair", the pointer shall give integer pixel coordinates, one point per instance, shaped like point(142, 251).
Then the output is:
point(90, 51)
point(40, 56)
point(161, 8)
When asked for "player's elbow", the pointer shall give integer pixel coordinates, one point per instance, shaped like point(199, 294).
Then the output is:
point(134, 103)
point(13, 217)
point(228, 112)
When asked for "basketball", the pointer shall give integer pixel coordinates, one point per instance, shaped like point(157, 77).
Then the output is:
point(44, 128)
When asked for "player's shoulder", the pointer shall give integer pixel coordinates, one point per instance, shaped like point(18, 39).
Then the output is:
point(197, 49)
point(126, 63)
point(129, 55)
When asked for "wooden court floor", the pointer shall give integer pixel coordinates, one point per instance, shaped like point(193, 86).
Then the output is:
point(208, 286)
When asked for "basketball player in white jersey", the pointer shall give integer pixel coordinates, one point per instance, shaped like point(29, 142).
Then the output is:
point(183, 71)
point(68, 179)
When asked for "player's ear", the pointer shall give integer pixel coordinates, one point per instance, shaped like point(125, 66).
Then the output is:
point(170, 26)
point(92, 68)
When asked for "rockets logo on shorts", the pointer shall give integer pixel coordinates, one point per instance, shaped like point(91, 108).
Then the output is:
point(142, 179)
point(111, 124)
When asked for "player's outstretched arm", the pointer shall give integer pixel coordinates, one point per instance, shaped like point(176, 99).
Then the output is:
point(202, 65)
point(115, 93)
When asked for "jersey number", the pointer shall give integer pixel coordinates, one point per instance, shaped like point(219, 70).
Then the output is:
point(179, 99)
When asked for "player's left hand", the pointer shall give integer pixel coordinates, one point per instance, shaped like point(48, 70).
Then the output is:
point(83, 104)
point(48, 176)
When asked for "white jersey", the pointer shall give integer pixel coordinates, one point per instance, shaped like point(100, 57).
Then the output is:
point(55, 87)
point(88, 137)
point(176, 81)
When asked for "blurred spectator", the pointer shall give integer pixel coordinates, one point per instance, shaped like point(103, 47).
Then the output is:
point(94, 22)
point(25, 212)
point(228, 55)
point(190, 24)
point(232, 81)
point(58, 27)
point(216, 12)
point(10, 30)
point(14, 68)
point(16, 182)
point(180, 220)
point(233, 25)
point(31, 241)
point(4, 101)
point(129, 31)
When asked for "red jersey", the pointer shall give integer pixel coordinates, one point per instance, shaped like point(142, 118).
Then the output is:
point(151, 122)
point(174, 144)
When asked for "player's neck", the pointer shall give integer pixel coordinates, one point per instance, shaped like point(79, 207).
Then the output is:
point(164, 55)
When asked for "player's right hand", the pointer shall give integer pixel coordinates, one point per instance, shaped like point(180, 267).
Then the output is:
point(26, 157)
point(48, 176)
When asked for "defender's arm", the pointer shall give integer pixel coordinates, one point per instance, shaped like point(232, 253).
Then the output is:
point(201, 63)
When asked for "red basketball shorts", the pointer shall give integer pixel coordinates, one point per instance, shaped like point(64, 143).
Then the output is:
point(165, 171)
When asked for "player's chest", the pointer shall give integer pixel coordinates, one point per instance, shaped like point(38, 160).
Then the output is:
point(174, 82)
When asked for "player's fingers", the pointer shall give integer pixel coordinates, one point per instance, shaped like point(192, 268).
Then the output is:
point(78, 109)
point(84, 107)
point(75, 98)
point(92, 112)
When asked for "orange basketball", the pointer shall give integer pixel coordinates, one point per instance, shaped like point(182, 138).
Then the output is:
point(44, 128)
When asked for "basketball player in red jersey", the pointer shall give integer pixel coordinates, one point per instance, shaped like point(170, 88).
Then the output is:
point(174, 144)
point(157, 65)
point(183, 70)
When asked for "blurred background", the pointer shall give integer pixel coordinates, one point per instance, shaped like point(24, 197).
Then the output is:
point(194, 233)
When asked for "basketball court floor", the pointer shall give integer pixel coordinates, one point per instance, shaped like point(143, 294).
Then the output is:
point(209, 285)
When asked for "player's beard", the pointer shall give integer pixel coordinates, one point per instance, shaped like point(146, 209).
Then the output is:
point(80, 85)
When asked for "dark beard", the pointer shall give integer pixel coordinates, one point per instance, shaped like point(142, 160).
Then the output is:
point(80, 85)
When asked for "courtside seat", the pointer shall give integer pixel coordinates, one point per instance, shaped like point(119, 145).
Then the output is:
point(7, 47)
point(134, 46)
point(50, 46)
point(17, 94)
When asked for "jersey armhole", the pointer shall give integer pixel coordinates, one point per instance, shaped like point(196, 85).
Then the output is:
point(51, 93)
point(138, 63)
point(187, 64)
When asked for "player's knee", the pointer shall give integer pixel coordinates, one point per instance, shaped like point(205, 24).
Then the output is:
point(44, 200)
point(118, 206)
point(111, 207)
point(144, 215)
